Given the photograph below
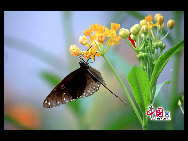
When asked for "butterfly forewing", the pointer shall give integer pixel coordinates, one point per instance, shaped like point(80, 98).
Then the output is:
point(69, 89)
point(96, 75)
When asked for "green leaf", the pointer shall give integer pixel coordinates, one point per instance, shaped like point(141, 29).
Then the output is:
point(162, 61)
point(158, 88)
point(140, 86)
point(51, 78)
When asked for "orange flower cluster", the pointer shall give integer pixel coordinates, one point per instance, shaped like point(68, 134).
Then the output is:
point(97, 36)
point(27, 116)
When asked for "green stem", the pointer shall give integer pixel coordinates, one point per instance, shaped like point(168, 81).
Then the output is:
point(166, 35)
point(125, 90)
point(108, 47)
point(157, 33)
point(153, 34)
point(137, 41)
point(145, 123)
point(160, 34)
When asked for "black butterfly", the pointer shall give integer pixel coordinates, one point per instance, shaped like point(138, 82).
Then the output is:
point(81, 83)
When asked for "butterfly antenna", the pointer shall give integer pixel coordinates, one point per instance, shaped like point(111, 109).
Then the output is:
point(114, 94)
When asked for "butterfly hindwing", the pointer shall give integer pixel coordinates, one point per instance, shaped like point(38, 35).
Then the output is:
point(92, 86)
point(69, 89)
point(96, 75)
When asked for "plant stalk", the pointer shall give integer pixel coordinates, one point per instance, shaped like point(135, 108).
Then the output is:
point(125, 90)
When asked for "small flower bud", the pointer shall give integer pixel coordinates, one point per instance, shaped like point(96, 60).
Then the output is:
point(141, 34)
point(141, 55)
point(156, 15)
point(133, 30)
point(133, 37)
point(74, 50)
point(137, 26)
point(161, 45)
point(179, 103)
point(154, 45)
point(83, 40)
point(124, 33)
point(170, 24)
point(144, 29)
point(101, 38)
point(160, 19)
point(143, 22)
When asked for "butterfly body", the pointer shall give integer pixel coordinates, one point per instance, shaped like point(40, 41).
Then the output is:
point(82, 82)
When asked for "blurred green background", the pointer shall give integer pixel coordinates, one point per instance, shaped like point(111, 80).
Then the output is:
point(36, 58)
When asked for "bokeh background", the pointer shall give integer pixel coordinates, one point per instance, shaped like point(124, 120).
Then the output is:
point(36, 58)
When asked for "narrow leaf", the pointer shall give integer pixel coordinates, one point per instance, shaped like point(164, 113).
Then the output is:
point(160, 64)
point(140, 86)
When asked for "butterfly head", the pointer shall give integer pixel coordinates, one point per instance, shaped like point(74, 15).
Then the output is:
point(83, 64)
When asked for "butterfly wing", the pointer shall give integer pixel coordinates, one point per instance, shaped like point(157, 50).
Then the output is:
point(69, 89)
point(92, 86)
point(96, 75)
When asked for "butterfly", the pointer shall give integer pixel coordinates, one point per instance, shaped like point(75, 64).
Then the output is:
point(83, 82)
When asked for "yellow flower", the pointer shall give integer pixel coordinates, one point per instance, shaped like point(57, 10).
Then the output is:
point(114, 38)
point(83, 40)
point(115, 26)
point(97, 36)
point(92, 52)
point(94, 32)
point(86, 54)
point(149, 19)
point(101, 38)
point(97, 28)
point(74, 50)
point(87, 32)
